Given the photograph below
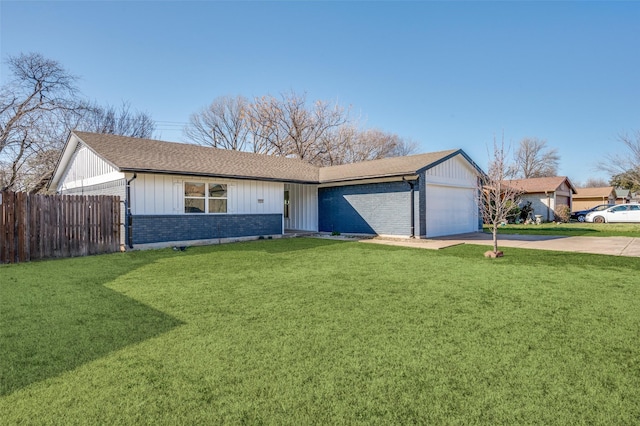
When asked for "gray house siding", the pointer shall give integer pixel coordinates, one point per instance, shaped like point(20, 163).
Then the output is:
point(163, 228)
point(379, 208)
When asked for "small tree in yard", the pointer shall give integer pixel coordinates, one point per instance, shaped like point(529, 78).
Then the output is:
point(498, 196)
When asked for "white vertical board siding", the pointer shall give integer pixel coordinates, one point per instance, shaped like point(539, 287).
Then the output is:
point(303, 207)
point(454, 172)
point(86, 168)
point(154, 194)
point(451, 198)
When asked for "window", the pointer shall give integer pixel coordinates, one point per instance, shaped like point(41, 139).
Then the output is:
point(217, 198)
point(200, 197)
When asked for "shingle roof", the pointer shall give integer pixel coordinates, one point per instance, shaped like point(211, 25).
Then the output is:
point(154, 156)
point(147, 155)
point(395, 166)
point(532, 185)
point(604, 191)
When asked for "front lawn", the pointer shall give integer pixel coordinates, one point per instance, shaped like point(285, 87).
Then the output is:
point(310, 331)
point(574, 229)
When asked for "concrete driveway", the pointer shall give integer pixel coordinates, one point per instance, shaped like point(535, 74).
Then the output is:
point(615, 246)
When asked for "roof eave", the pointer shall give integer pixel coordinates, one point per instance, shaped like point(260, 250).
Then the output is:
point(371, 177)
point(215, 175)
point(450, 156)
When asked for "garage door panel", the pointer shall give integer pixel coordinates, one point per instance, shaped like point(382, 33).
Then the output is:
point(450, 210)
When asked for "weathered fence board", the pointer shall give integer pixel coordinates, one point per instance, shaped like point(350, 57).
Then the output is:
point(34, 226)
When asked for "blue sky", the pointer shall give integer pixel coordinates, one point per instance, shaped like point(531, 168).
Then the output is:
point(443, 74)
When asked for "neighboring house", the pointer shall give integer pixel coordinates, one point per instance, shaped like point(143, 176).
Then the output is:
point(179, 194)
point(586, 198)
point(625, 196)
point(546, 194)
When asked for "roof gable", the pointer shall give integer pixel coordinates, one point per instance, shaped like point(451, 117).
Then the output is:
point(388, 167)
point(543, 184)
point(148, 155)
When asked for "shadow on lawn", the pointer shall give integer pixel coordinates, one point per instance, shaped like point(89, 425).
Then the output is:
point(281, 245)
point(57, 315)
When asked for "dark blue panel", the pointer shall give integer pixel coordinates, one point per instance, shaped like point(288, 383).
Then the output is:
point(381, 208)
point(185, 227)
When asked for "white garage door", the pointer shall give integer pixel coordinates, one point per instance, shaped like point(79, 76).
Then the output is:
point(451, 210)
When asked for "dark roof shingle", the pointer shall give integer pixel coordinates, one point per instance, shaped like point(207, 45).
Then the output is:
point(154, 156)
point(543, 184)
point(394, 166)
point(148, 155)
point(604, 191)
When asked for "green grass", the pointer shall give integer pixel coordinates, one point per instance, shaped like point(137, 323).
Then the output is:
point(308, 331)
point(574, 229)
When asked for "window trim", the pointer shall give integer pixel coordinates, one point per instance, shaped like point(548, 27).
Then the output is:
point(207, 197)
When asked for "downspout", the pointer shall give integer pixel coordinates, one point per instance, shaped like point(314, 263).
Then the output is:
point(129, 216)
point(413, 213)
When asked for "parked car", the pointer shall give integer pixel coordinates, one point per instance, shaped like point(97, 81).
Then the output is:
point(619, 213)
point(580, 214)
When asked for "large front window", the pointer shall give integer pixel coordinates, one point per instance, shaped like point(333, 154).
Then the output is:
point(200, 197)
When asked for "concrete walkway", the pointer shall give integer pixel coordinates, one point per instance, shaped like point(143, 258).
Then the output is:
point(615, 246)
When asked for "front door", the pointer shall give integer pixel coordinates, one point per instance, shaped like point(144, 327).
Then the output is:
point(287, 209)
point(300, 209)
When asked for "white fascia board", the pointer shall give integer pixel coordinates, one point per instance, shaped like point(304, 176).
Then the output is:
point(63, 161)
point(367, 181)
point(96, 180)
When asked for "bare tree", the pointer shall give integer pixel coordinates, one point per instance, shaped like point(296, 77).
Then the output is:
point(223, 124)
point(113, 121)
point(404, 147)
point(38, 108)
point(625, 168)
point(534, 159)
point(32, 106)
point(321, 132)
point(499, 197)
point(300, 129)
point(267, 136)
point(595, 183)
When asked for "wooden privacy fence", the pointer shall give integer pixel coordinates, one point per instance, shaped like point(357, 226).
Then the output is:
point(34, 226)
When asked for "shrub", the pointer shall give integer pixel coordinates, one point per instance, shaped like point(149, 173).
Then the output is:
point(562, 213)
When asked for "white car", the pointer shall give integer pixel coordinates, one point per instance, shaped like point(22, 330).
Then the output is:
point(619, 213)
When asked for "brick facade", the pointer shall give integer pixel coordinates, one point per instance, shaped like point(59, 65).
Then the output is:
point(164, 228)
point(379, 208)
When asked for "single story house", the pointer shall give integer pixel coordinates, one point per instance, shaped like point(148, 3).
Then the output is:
point(585, 198)
point(625, 196)
point(546, 194)
point(181, 194)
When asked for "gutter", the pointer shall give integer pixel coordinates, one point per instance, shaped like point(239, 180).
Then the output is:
point(413, 209)
point(129, 216)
